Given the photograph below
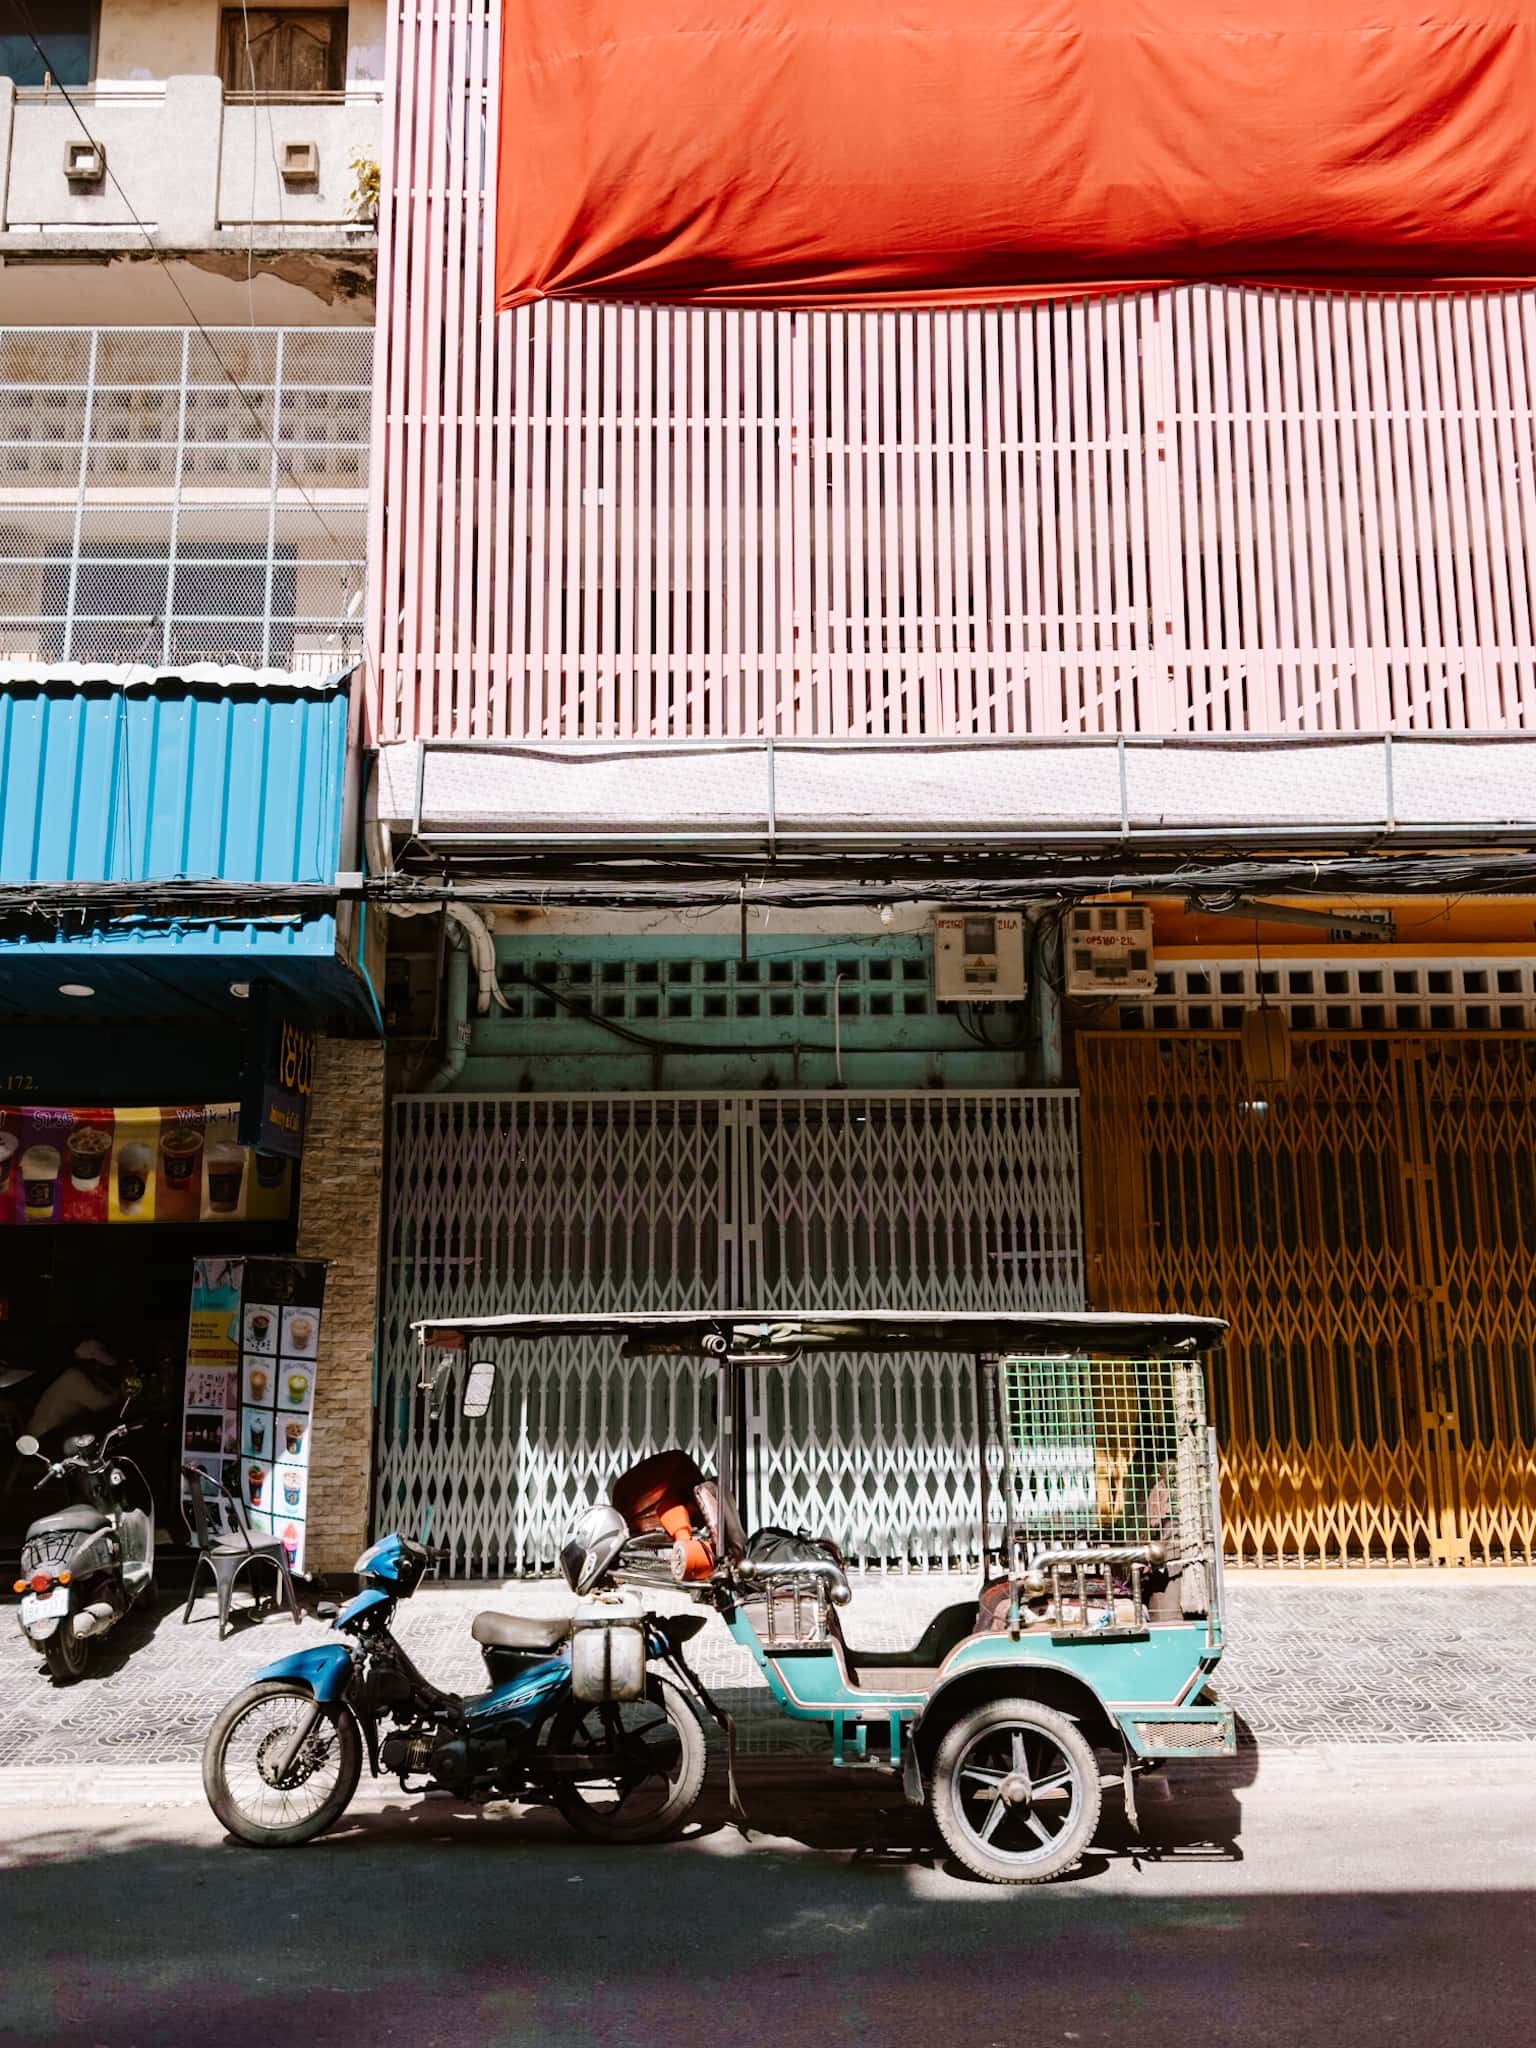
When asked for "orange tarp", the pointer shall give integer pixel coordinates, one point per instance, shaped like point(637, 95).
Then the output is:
point(889, 152)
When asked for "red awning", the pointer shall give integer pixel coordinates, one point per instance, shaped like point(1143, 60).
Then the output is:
point(950, 152)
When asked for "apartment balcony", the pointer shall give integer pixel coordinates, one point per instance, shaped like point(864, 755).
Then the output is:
point(238, 187)
point(172, 496)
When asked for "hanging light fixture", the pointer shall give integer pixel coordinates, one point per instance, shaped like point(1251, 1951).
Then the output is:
point(1266, 1036)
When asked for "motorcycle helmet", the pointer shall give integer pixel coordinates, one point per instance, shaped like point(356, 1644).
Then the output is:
point(593, 1546)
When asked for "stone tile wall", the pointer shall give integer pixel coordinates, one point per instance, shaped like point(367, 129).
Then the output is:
point(340, 1203)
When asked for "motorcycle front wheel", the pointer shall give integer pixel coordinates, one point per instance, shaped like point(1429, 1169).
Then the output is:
point(257, 1803)
point(660, 1774)
point(66, 1654)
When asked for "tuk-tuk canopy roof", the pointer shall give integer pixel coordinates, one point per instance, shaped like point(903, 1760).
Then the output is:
point(743, 1335)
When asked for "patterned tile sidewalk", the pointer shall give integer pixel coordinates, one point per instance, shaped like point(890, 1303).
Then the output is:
point(1310, 1663)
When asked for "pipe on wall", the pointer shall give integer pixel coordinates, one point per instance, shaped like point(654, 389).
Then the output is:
point(476, 934)
point(455, 1016)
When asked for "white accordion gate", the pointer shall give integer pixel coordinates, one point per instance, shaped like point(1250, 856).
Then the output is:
point(922, 1199)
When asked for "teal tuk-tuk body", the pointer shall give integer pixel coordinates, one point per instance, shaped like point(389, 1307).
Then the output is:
point(1098, 1622)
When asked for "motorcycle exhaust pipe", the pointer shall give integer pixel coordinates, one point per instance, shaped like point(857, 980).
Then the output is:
point(95, 1620)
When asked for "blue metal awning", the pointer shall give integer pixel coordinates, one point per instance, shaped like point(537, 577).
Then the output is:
point(114, 780)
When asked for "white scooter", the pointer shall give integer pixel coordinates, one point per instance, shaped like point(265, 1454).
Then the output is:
point(84, 1567)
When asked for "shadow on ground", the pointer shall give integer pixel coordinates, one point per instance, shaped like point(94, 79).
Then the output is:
point(442, 1926)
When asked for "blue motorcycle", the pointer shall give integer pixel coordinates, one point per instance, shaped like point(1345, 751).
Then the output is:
point(592, 1714)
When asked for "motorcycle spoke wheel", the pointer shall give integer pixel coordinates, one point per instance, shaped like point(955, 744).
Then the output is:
point(645, 1798)
point(252, 1795)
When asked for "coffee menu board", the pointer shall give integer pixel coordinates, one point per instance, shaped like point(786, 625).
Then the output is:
point(280, 1310)
point(137, 1166)
point(252, 1341)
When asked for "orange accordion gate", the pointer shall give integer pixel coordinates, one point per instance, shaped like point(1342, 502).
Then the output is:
point(1367, 1230)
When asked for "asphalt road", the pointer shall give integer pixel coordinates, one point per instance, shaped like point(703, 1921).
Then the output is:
point(1368, 1895)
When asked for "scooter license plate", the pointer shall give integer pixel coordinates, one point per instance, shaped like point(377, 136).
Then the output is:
point(44, 1606)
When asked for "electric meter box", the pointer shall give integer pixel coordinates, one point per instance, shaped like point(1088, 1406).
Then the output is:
point(978, 957)
point(1109, 950)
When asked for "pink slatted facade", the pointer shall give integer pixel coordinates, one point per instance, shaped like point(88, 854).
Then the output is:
point(1203, 510)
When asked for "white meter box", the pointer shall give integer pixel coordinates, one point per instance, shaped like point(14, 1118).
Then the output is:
point(978, 957)
point(1109, 950)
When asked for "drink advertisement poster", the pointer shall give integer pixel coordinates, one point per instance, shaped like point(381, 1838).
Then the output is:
point(137, 1166)
point(210, 1428)
point(280, 1311)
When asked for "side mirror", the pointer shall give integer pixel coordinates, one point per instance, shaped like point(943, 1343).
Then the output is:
point(478, 1389)
point(27, 1445)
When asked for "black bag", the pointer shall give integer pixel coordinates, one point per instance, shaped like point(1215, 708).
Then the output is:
point(791, 1546)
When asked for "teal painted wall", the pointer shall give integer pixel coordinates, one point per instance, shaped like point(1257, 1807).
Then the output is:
point(714, 1021)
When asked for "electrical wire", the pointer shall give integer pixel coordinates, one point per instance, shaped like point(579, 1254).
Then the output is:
point(599, 886)
point(30, 30)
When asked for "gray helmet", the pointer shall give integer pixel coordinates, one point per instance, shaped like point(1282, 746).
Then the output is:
point(593, 1546)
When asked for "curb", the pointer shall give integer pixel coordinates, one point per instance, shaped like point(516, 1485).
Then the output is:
point(69, 1787)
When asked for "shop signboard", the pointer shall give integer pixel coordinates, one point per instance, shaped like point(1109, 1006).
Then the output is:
point(275, 1094)
point(138, 1165)
point(253, 1339)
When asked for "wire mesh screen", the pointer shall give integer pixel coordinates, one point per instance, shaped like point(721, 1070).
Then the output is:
point(169, 495)
point(1107, 1452)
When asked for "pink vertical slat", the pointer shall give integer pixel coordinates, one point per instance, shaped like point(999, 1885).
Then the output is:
point(1503, 349)
point(1160, 368)
point(449, 377)
point(381, 714)
point(756, 595)
point(1448, 607)
point(1471, 449)
point(795, 508)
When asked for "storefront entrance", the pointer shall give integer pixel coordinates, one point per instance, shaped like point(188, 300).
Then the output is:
point(920, 1199)
point(89, 1311)
point(1367, 1230)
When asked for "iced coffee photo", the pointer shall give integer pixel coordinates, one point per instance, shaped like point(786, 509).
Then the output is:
point(224, 1176)
point(40, 1181)
point(262, 1323)
point(259, 1391)
point(89, 1146)
point(181, 1148)
point(135, 1167)
point(300, 1328)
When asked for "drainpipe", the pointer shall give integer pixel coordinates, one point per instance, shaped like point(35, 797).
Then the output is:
point(456, 1014)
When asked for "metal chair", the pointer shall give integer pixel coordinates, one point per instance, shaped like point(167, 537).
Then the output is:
point(228, 1555)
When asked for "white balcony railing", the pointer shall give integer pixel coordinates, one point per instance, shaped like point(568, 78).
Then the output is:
point(176, 495)
point(190, 163)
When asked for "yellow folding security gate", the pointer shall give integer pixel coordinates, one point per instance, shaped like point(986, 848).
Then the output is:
point(1369, 1230)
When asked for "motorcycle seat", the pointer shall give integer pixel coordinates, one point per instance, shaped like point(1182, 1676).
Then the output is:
point(69, 1522)
point(519, 1631)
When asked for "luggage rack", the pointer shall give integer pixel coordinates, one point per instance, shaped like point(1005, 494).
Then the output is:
point(796, 1602)
point(1087, 1573)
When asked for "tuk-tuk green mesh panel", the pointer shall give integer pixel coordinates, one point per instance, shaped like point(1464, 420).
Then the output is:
point(1107, 1451)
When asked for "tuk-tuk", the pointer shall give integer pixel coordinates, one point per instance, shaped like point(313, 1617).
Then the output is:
point(1098, 1620)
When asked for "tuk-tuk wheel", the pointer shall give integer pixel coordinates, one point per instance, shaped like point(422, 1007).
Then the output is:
point(1015, 1791)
